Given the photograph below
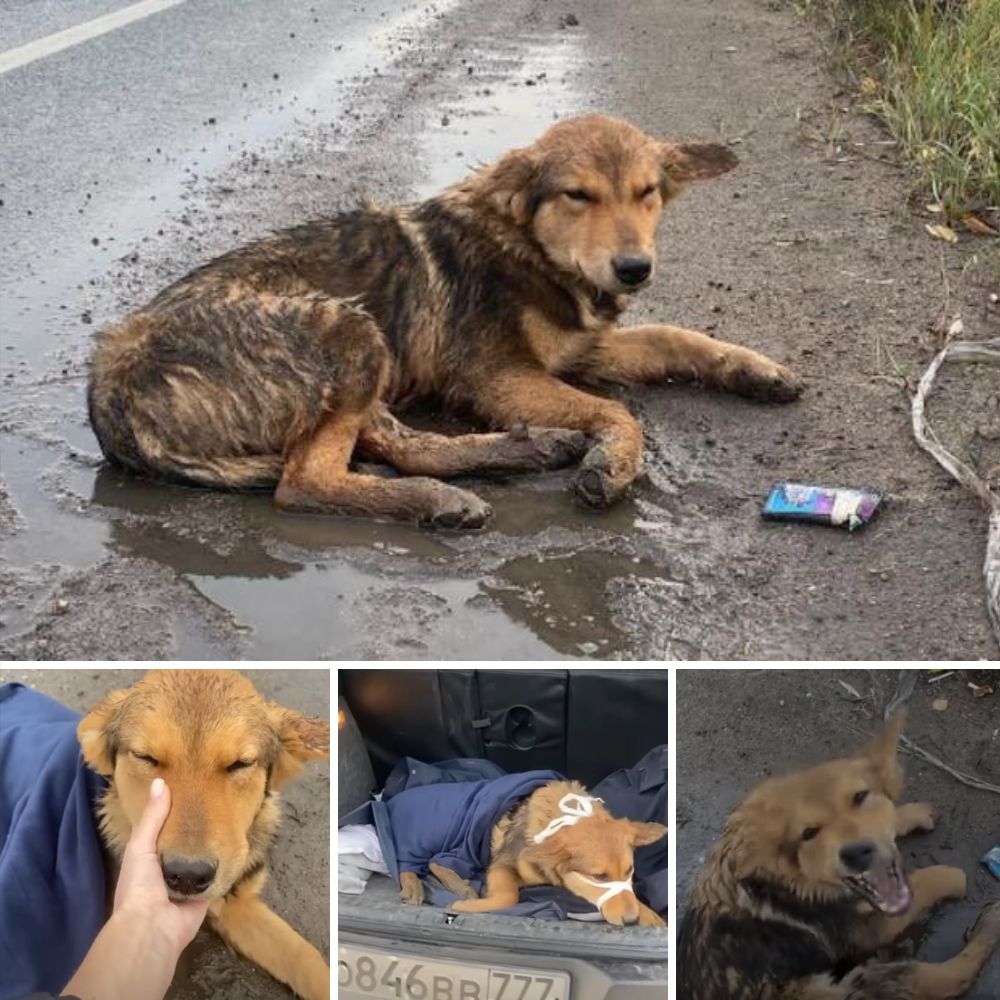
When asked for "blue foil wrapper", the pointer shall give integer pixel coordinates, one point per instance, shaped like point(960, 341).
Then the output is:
point(992, 861)
point(834, 505)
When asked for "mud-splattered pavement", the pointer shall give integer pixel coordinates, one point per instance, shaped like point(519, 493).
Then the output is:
point(135, 156)
point(298, 887)
point(737, 727)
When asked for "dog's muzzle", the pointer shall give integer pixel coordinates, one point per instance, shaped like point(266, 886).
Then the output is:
point(613, 888)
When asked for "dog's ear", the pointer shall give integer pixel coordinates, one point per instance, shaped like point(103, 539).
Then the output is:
point(883, 756)
point(512, 185)
point(301, 738)
point(695, 161)
point(646, 833)
point(98, 736)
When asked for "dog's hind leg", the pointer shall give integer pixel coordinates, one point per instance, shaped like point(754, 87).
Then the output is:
point(421, 453)
point(502, 890)
point(247, 924)
point(453, 882)
point(316, 477)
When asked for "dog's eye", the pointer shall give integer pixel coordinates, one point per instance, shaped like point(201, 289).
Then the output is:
point(860, 797)
point(600, 877)
point(146, 758)
point(809, 832)
point(578, 194)
point(647, 191)
point(238, 765)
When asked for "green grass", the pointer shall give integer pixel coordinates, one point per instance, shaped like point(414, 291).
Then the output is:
point(931, 70)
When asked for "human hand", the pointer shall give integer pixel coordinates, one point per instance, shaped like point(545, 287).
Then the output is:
point(135, 954)
point(141, 893)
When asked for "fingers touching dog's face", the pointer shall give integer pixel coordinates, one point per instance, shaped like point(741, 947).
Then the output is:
point(598, 849)
point(830, 828)
point(592, 190)
point(220, 747)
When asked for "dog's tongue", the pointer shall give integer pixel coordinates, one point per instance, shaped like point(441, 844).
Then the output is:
point(893, 890)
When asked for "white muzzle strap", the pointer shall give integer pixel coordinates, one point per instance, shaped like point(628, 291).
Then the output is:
point(571, 813)
point(614, 888)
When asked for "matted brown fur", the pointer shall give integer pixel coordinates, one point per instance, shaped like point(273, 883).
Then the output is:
point(806, 884)
point(274, 365)
point(599, 847)
point(225, 753)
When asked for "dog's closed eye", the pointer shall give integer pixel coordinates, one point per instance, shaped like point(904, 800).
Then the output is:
point(239, 765)
point(146, 759)
point(810, 832)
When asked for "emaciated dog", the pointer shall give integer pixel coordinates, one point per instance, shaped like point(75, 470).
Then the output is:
point(224, 752)
point(559, 835)
point(807, 884)
point(276, 364)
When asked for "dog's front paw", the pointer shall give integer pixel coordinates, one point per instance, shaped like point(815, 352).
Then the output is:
point(555, 447)
point(600, 480)
point(456, 508)
point(757, 377)
point(648, 918)
point(411, 889)
point(915, 817)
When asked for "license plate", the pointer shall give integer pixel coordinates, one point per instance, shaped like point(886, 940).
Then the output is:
point(384, 976)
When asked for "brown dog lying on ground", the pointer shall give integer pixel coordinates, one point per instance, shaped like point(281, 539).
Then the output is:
point(274, 365)
point(534, 844)
point(224, 752)
point(807, 884)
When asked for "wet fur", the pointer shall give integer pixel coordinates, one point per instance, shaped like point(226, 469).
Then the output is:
point(768, 918)
point(195, 719)
point(272, 365)
point(599, 844)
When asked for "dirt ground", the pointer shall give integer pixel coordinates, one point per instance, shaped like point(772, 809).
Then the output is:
point(736, 727)
point(299, 886)
point(807, 252)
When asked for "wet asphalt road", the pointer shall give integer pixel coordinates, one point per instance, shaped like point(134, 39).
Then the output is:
point(135, 156)
point(736, 727)
point(299, 885)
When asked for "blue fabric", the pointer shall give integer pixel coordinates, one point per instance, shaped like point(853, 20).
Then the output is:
point(51, 871)
point(408, 772)
point(423, 806)
point(640, 793)
point(451, 823)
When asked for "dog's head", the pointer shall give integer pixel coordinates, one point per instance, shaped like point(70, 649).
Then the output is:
point(597, 849)
point(592, 189)
point(221, 748)
point(830, 831)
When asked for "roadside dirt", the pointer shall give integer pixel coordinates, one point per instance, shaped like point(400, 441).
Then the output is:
point(806, 252)
point(299, 885)
point(737, 727)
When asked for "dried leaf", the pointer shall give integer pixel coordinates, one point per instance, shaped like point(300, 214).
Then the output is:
point(939, 704)
point(980, 690)
point(935, 209)
point(945, 233)
point(977, 226)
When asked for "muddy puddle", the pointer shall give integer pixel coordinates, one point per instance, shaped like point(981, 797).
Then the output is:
point(91, 559)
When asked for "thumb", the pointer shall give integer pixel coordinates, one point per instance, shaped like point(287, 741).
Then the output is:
point(153, 817)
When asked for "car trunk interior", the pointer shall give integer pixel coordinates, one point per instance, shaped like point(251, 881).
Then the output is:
point(585, 724)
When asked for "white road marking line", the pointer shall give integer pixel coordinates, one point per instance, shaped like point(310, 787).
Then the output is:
point(41, 47)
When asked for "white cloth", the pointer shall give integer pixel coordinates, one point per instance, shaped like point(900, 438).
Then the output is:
point(573, 808)
point(358, 855)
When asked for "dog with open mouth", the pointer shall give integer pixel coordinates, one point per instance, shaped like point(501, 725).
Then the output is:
point(807, 883)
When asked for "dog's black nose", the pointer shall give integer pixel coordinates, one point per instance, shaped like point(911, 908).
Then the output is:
point(187, 877)
point(632, 268)
point(858, 857)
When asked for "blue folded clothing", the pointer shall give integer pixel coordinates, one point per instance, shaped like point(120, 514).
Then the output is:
point(52, 884)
